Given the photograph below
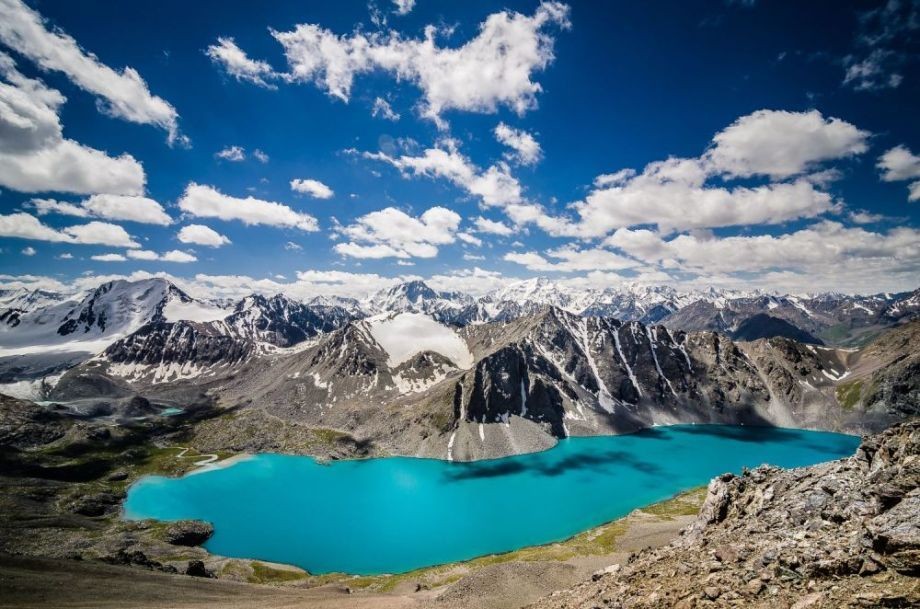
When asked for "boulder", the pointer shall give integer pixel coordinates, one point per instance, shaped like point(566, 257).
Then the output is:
point(188, 533)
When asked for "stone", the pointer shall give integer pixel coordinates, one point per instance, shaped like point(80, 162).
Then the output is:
point(188, 533)
point(196, 568)
point(97, 504)
point(809, 600)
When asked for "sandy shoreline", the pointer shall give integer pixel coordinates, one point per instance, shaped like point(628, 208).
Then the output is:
point(493, 582)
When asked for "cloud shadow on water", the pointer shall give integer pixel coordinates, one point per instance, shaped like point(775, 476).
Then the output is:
point(834, 445)
point(540, 465)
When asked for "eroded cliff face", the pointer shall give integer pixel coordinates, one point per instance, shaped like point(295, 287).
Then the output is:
point(839, 534)
point(520, 386)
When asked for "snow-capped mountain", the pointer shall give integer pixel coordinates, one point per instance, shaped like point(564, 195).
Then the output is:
point(89, 323)
point(485, 390)
point(628, 301)
point(905, 307)
point(350, 305)
point(164, 350)
point(834, 318)
point(542, 291)
point(35, 322)
point(418, 297)
point(24, 299)
point(282, 322)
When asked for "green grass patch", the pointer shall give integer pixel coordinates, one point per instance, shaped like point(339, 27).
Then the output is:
point(849, 394)
point(264, 574)
point(599, 541)
point(165, 461)
point(684, 504)
point(835, 334)
point(327, 437)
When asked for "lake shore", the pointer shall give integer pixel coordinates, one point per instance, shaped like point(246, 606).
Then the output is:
point(502, 581)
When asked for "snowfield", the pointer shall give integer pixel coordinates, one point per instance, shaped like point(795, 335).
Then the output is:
point(403, 336)
point(176, 310)
point(90, 346)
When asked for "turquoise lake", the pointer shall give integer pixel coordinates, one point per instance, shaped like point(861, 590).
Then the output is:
point(394, 514)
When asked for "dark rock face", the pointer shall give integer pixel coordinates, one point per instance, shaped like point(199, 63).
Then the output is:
point(11, 317)
point(557, 373)
point(196, 568)
point(283, 322)
point(97, 504)
point(895, 387)
point(762, 325)
point(836, 318)
point(568, 371)
point(161, 351)
point(164, 343)
point(188, 533)
point(773, 537)
point(27, 425)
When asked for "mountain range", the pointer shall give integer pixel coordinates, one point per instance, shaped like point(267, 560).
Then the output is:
point(445, 374)
point(44, 321)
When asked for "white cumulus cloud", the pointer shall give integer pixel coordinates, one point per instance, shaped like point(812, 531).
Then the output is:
point(238, 65)
point(122, 94)
point(403, 7)
point(383, 109)
point(495, 186)
point(899, 164)
point(204, 201)
point(392, 233)
point(492, 227)
point(35, 156)
point(231, 153)
point(526, 149)
point(109, 207)
point(570, 258)
point(26, 226)
point(495, 68)
point(781, 144)
point(314, 188)
point(200, 234)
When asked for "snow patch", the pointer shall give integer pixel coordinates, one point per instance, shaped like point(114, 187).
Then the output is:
point(652, 346)
point(176, 310)
point(407, 334)
point(30, 390)
point(523, 399)
point(450, 446)
point(632, 377)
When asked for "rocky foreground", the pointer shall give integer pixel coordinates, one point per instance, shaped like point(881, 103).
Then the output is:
point(840, 534)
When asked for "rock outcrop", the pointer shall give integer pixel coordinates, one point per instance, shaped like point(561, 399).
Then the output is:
point(839, 534)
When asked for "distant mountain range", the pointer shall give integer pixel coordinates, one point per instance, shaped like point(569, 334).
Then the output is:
point(37, 321)
point(445, 374)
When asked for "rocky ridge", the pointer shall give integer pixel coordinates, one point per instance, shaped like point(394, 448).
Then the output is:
point(528, 382)
point(839, 534)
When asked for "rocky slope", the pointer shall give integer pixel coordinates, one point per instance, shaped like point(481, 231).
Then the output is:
point(32, 321)
point(165, 351)
point(761, 325)
point(837, 319)
point(405, 384)
point(89, 322)
point(839, 534)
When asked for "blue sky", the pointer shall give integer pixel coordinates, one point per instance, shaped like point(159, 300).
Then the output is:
point(773, 146)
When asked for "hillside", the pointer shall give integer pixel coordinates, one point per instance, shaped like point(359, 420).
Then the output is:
point(493, 389)
point(839, 534)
